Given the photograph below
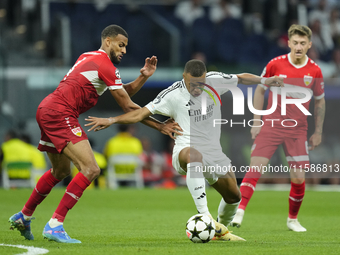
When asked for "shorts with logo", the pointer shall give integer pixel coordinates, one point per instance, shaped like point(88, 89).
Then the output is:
point(296, 149)
point(57, 130)
point(221, 162)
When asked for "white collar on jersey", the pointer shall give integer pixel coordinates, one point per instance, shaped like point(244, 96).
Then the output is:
point(304, 64)
point(184, 87)
point(102, 50)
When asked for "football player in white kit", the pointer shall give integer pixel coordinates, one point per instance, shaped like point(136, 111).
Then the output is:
point(197, 152)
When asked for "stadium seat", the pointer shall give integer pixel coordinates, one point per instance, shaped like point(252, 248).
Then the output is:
point(185, 40)
point(112, 14)
point(202, 36)
point(83, 40)
point(254, 50)
point(124, 167)
point(275, 50)
point(229, 37)
point(141, 44)
point(18, 175)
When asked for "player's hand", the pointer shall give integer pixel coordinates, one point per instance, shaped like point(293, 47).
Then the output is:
point(314, 141)
point(98, 123)
point(169, 127)
point(254, 132)
point(275, 81)
point(149, 67)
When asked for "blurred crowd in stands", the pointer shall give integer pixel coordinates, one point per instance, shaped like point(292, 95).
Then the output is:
point(246, 32)
point(263, 32)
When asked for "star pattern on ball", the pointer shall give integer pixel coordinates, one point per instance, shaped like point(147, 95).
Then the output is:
point(209, 227)
point(195, 233)
point(197, 219)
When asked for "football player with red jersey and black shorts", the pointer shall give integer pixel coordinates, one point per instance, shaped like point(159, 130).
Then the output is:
point(64, 139)
point(300, 73)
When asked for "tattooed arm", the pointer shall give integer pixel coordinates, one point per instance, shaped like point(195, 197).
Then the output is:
point(319, 116)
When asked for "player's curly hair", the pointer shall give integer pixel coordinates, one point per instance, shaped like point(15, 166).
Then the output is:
point(195, 68)
point(299, 30)
point(113, 31)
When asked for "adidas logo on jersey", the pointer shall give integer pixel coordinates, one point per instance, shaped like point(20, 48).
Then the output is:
point(190, 103)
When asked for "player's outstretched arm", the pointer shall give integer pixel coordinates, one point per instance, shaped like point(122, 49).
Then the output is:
point(168, 127)
point(125, 102)
point(147, 71)
point(249, 79)
point(127, 118)
point(319, 116)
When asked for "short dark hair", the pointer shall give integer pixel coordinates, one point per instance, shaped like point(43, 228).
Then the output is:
point(26, 138)
point(113, 31)
point(123, 128)
point(195, 68)
point(11, 134)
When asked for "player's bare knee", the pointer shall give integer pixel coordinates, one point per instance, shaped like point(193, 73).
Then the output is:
point(233, 198)
point(96, 171)
point(60, 173)
point(91, 172)
point(298, 180)
point(194, 156)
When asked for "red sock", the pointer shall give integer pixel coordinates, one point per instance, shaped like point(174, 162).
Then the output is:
point(73, 192)
point(248, 187)
point(297, 192)
point(40, 192)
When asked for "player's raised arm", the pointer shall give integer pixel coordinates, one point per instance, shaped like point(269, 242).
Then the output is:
point(146, 72)
point(249, 79)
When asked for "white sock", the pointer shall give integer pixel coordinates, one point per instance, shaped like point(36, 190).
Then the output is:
point(54, 223)
point(226, 212)
point(196, 185)
point(26, 217)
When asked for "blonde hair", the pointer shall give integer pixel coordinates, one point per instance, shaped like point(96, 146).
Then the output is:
point(299, 30)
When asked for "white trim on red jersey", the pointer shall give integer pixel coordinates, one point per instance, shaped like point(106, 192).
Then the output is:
point(303, 65)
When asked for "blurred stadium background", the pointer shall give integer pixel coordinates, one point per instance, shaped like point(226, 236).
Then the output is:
point(41, 39)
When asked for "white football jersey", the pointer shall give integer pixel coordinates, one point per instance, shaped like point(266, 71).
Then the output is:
point(197, 124)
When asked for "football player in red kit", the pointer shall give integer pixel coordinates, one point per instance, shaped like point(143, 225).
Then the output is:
point(290, 129)
point(63, 138)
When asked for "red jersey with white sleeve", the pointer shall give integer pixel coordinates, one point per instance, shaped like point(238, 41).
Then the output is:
point(92, 74)
point(307, 76)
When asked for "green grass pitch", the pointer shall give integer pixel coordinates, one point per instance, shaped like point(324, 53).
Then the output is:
point(150, 221)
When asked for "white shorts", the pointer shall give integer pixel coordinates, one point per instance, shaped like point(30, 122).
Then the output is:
point(215, 165)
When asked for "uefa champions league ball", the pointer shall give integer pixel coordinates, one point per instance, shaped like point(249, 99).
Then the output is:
point(200, 228)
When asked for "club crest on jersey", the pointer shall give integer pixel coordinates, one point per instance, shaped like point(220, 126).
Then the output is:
point(77, 131)
point(307, 80)
point(117, 73)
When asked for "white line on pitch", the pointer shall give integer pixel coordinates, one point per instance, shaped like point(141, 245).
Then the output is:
point(30, 249)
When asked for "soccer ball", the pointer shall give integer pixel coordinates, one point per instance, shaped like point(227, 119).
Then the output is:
point(200, 228)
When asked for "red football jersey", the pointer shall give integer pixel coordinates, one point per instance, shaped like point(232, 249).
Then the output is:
point(89, 78)
point(308, 76)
